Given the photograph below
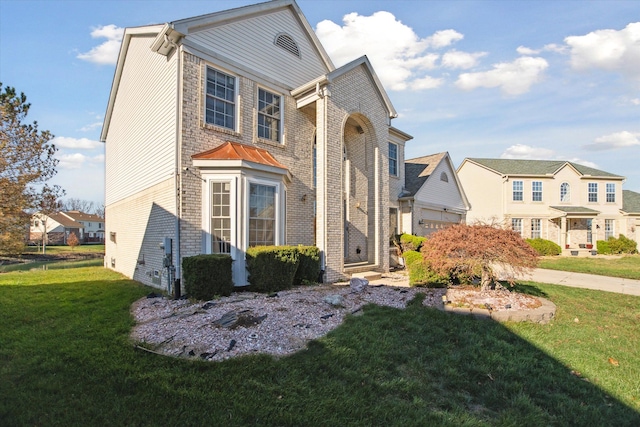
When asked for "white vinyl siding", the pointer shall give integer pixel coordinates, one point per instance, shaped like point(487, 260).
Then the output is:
point(143, 122)
point(436, 192)
point(251, 42)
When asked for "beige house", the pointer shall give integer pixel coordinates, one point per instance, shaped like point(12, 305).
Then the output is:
point(53, 229)
point(234, 129)
point(565, 202)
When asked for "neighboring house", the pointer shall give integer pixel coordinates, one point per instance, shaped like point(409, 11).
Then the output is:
point(92, 226)
point(53, 229)
point(234, 129)
point(565, 202)
point(432, 198)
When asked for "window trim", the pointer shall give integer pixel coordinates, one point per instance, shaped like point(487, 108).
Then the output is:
point(610, 185)
point(590, 193)
point(280, 130)
point(538, 229)
point(519, 191)
point(395, 160)
point(536, 195)
point(206, 96)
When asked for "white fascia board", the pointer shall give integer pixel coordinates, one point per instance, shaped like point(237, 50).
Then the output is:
point(122, 56)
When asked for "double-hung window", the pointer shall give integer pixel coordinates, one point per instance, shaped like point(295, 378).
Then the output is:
point(592, 189)
point(608, 229)
point(220, 107)
point(262, 214)
point(269, 115)
point(517, 191)
point(536, 228)
point(611, 193)
point(393, 159)
point(516, 225)
point(536, 191)
point(221, 217)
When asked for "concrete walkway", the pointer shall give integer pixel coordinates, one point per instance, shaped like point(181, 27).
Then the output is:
point(586, 281)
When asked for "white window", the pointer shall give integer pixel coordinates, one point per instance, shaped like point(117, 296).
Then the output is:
point(565, 192)
point(220, 106)
point(393, 159)
point(593, 192)
point(220, 217)
point(611, 193)
point(269, 116)
point(608, 229)
point(262, 214)
point(535, 228)
point(536, 191)
point(517, 191)
point(516, 225)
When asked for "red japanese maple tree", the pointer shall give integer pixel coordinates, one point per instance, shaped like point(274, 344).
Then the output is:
point(484, 250)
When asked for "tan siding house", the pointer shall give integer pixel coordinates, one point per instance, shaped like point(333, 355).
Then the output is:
point(234, 129)
point(568, 203)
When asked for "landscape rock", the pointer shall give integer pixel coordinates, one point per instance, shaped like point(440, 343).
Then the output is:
point(334, 300)
point(358, 284)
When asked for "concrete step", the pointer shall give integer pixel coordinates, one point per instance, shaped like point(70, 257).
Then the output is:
point(369, 275)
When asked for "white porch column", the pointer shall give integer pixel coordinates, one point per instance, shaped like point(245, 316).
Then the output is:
point(563, 232)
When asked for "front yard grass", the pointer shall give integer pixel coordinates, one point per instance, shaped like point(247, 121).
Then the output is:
point(65, 359)
point(627, 266)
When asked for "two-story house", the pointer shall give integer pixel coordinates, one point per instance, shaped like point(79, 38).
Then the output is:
point(53, 229)
point(235, 129)
point(565, 202)
point(92, 226)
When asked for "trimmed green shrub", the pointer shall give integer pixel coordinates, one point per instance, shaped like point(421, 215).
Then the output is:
point(272, 268)
point(622, 245)
point(419, 272)
point(409, 242)
point(603, 247)
point(207, 276)
point(309, 267)
point(544, 247)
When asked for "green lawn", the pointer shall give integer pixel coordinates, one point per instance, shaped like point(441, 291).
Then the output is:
point(627, 266)
point(65, 359)
point(54, 250)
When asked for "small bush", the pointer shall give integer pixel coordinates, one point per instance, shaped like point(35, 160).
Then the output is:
point(309, 267)
point(207, 276)
point(409, 242)
point(603, 247)
point(272, 268)
point(419, 272)
point(622, 245)
point(544, 247)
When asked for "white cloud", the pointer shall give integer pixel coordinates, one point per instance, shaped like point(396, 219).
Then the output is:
point(521, 151)
point(107, 52)
point(76, 143)
point(522, 50)
point(443, 38)
point(513, 78)
point(611, 50)
point(464, 60)
point(398, 54)
point(71, 161)
point(635, 101)
point(614, 141)
point(583, 162)
point(91, 127)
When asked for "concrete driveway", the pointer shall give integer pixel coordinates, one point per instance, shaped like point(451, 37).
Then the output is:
point(586, 281)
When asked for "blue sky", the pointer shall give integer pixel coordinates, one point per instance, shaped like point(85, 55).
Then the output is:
point(511, 79)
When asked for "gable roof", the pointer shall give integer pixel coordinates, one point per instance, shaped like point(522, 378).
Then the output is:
point(81, 216)
point(314, 87)
point(169, 35)
point(537, 167)
point(630, 202)
point(65, 221)
point(418, 170)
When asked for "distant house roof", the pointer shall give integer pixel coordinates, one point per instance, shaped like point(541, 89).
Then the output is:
point(538, 167)
point(81, 216)
point(65, 221)
point(417, 171)
point(630, 202)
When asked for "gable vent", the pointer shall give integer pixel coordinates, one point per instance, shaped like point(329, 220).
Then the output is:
point(286, 42)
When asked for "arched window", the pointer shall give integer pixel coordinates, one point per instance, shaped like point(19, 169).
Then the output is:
point(565, 192)
point(444, 177)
